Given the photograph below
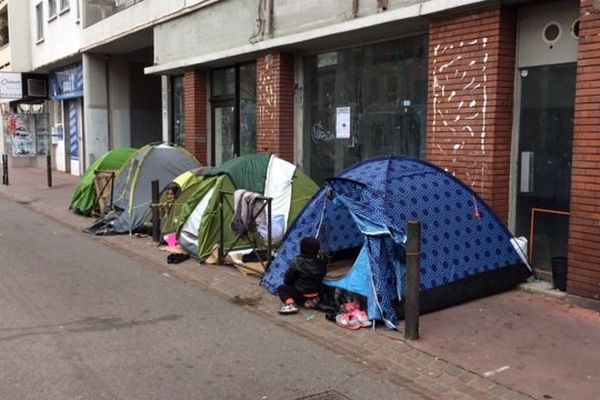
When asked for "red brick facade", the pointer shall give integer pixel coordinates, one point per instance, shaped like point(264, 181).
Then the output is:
point(471, 79)
point(275, 104)
point(196, 106)
point(584, 230)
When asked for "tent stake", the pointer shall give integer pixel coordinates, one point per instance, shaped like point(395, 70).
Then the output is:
point(413, 258)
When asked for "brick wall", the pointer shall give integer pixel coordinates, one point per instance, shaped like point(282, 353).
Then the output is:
point(584, 230)
point(471, 79)
point(195, 110)
point(275, 105)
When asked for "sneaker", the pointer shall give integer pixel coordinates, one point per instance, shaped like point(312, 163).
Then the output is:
point(288, 309)
point(361, 318)
point(345, 320)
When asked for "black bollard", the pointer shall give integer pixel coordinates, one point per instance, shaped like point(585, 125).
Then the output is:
point(49, 169)
point(413, 278)
point(5, 169)
point(155, 212)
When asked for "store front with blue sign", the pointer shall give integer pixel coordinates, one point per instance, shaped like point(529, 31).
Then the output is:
point(66, 93)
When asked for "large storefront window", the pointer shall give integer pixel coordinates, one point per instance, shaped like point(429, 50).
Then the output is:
point(28, 130)
point(365, 102)
point(233, 104)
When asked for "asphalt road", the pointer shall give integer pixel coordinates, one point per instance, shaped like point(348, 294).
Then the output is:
point(81, 320)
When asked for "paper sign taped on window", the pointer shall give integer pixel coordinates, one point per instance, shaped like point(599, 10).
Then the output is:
point(342, 124)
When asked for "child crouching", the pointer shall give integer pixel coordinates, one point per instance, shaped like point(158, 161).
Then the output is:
point(303, 280)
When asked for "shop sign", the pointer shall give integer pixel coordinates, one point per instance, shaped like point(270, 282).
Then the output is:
point(11, 86)
point(67, 83)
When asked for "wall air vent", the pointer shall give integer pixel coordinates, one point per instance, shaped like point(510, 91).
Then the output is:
point(36, 88)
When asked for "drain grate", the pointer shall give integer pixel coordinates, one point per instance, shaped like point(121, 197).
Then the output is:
point(328, 395)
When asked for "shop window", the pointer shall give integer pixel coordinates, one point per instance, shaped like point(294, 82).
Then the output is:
point(29, 130)
point(233, 106)
point(365, 102)
point(178, 121)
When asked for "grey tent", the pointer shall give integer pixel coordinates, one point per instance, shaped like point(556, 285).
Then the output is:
point(133, 186)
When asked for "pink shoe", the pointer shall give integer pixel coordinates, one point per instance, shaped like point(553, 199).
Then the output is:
point(361, 318)
point(346, 321)
point(349, 307)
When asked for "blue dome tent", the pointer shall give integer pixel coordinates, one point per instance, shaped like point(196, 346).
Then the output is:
point(466, 251)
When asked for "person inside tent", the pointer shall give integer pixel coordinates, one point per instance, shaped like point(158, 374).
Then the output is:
point(303, 282)
point(171, 194)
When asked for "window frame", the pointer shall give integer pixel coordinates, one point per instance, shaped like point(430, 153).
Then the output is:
point(39, 16)
point(225, 100)
point(52, 10)
point(64, 6)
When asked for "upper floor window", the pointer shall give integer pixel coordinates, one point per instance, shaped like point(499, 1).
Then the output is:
point(64, 5)
point(39, 15)
point(51, 9)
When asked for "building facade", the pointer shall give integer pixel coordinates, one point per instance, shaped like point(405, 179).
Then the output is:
point(503, 95)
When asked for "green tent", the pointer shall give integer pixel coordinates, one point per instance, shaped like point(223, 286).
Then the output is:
point(133, 187)
point(268, 175)
point(85, 196)
point(187, 183)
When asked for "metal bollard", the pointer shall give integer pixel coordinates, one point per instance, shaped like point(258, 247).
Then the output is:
point(49, 169)
point(5, 169)
point(155, 212)
point(413, 279)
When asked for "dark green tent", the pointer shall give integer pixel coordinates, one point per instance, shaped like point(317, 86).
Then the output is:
point(266, 174)
point(85, 197)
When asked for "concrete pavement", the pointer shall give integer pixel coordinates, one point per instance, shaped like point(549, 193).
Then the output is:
point(528, 343)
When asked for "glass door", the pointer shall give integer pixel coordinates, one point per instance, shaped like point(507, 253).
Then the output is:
point(178, 102)
point(233, 100)
point(224, 133)
point(544, 161)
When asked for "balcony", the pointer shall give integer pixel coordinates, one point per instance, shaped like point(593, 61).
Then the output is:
point(96, 10)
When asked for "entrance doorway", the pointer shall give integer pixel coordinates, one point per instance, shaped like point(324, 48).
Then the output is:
point(72, 121)
point(546, 114)
point(233, 106)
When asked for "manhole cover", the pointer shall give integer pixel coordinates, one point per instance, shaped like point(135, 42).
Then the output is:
point(329, 395)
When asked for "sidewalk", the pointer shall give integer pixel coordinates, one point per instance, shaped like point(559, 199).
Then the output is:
point(528, 343)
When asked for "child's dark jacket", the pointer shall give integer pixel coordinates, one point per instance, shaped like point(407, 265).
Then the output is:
point(306, 274)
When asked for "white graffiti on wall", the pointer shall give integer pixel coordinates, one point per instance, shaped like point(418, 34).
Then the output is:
point(460, 100)
point(267, 98)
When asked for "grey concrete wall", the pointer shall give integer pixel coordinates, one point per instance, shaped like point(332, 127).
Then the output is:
point(223, 25)
point(120, 102)
point(230, 26)
point(533, 50)
point(95, 105)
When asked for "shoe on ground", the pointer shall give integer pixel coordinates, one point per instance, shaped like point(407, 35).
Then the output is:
point(288, 309)
point(360, 318)
point(345, 320)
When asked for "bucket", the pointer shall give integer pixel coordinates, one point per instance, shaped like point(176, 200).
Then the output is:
point(559, 273)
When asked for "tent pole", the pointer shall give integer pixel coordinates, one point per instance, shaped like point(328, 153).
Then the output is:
point(155, 212)
point(221, 222)
point(413, 258)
